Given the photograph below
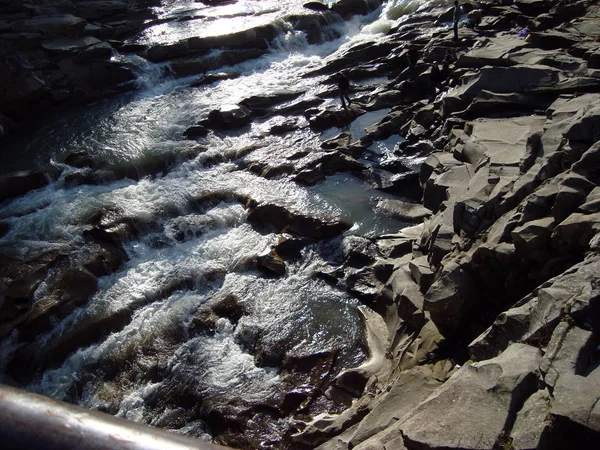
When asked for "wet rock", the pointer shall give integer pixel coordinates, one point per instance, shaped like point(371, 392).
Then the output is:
point(227, 118)
point(270, 261)
point(57, 25)
point(334, 117)
point(93, 79)
point(295, 223)
point(316, 6)
point(20, 183)
point(213, 78)
point(348, 8)
point(262, 103)
point(310, 177)
point(196, 131)
point(284, 126)
point(80, 159)
point(359, 251)
point(256, 38)
point(230, 307)
point(344, 139)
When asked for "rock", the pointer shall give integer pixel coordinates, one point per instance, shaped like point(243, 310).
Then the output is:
point(331, 117)
point(532, 422)
point(270, 261)
point(403, 211)
point(470, 410)
point(284, 126)
point(411, 388)
point(253, 39)
point(69, 45)
point(552, 40)
point(213, 78)
point(585, 126)
point(56, 25)
point(94, 79)
point(344, 139)
point(421, 272)
point(395, 245)
point(577, 229)
point(348, 8)
point(310, 177)
point(449, 297)
point(294, 223)
point(227, 118)
point(20, 183)
point(501, 80)
point(195, 131)
point(261, 103)
point(316, 6)
point(359, 251)
point(490, 104)
point(573, 379)
point(532, 238)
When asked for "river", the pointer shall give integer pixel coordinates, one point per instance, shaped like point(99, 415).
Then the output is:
point(200, 247)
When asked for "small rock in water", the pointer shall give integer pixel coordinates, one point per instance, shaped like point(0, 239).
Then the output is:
point(271, 262)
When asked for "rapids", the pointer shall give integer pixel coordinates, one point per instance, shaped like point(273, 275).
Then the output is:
point(198, 249)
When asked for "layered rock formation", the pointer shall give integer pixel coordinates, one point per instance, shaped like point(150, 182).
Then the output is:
point(58, 54)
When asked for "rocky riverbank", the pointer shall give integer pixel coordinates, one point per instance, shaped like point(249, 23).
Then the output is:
point(491, 304)
point(481, 320)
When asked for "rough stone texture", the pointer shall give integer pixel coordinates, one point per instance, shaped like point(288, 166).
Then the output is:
point(471, 410)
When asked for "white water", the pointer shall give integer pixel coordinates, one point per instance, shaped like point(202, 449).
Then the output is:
point(295, 313)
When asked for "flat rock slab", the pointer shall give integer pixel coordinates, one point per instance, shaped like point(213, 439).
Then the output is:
point(470, 410)
point(493, 53)
point(505, 139)
point(404, 211)
point(70, 44)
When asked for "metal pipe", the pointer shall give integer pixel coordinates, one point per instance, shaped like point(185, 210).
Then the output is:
point(31, 421)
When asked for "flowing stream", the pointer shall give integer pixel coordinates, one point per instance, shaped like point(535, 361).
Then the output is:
point(207, 246)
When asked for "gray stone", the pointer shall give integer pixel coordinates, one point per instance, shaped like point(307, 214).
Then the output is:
point(531, 239)
point(421, 272)
point(470, 410)
point(532, 421)
point(408, 390)
point(450, 297)
point(403, 211)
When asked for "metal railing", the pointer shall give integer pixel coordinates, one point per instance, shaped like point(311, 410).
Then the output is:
point(30, 421)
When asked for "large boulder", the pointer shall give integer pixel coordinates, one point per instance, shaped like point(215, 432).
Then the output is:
point(20, 183)
point(348, 8)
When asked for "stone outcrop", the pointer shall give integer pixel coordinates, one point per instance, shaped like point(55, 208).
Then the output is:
point(58, 54)
point(491, 302)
